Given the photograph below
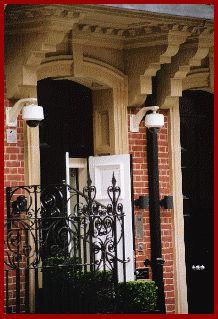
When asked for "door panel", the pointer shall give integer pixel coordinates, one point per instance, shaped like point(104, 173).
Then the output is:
point(196, 126)
point(101, 173)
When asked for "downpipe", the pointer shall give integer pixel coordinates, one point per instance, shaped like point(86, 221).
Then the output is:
point(157, 261)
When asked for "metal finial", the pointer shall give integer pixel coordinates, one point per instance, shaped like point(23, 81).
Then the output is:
point(114, 180)
point(89, 181)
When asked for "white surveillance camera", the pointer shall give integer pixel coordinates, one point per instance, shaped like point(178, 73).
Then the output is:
point(33, 114)
point(154, 122)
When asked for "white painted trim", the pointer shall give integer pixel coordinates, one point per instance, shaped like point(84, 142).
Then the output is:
point(77, 162)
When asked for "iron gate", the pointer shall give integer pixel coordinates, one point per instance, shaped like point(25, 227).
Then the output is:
point(59, 226)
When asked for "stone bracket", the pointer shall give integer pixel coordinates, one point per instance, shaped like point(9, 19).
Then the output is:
point(190, 55)
point(32, 48)
point(140, 85)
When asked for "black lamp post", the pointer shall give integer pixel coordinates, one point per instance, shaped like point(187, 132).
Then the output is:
point(154, 210)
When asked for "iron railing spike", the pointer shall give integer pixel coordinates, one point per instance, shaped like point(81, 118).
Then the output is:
point(114, 180)
point(89, 181)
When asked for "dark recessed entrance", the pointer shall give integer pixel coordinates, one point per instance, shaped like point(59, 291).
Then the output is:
point(67, 127)
point(197, 142)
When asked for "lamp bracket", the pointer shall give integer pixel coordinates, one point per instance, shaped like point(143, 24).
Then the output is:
point(13, 112)
point(135, 119)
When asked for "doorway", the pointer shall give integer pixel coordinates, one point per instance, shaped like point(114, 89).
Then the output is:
point(67, 127)
point(197, 151)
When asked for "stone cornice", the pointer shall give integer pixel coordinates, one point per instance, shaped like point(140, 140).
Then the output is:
point(129, 38)
point(101, 25)
point(151, 17)
point(22, 22)
point(156, 38)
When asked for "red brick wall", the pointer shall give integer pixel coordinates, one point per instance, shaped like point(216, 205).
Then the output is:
point(13, 176)
point(13, 153)
point(138, 149)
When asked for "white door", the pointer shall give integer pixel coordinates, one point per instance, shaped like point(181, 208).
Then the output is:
point(101, 171)
point(76, 178)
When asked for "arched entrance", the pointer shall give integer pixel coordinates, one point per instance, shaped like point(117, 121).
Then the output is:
point(197, 146)
point(108, 88)
point(68, 126)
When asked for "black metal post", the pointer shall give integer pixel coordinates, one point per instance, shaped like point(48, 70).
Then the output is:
point(27, 290)
point(124, 256)
point(18, 290)
point(8, 199)
point(37, 251)
point(155, 227)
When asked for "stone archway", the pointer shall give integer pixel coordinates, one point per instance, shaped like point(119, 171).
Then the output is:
point(109, 88)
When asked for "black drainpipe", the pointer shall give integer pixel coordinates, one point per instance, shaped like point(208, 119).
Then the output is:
point(155, 227)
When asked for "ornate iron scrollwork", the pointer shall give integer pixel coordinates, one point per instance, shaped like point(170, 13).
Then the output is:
point(42, 223)
point(19, 205)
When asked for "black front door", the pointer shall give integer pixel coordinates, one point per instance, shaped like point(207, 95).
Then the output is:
point(197, 145)
point(67, 126)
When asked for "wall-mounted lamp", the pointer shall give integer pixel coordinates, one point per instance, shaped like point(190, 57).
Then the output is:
point(154, 121)
point(142, 202)
point(32, 114)
point(167, 202)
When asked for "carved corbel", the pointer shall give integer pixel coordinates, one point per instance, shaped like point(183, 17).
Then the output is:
point(176, 36)
point(170, 77)
point(21, 69)
point(150, 60)
point(197, 79)
point(141, 85)
point(205, 41)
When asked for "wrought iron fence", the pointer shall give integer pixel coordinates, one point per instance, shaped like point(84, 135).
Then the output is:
point(59, 222)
